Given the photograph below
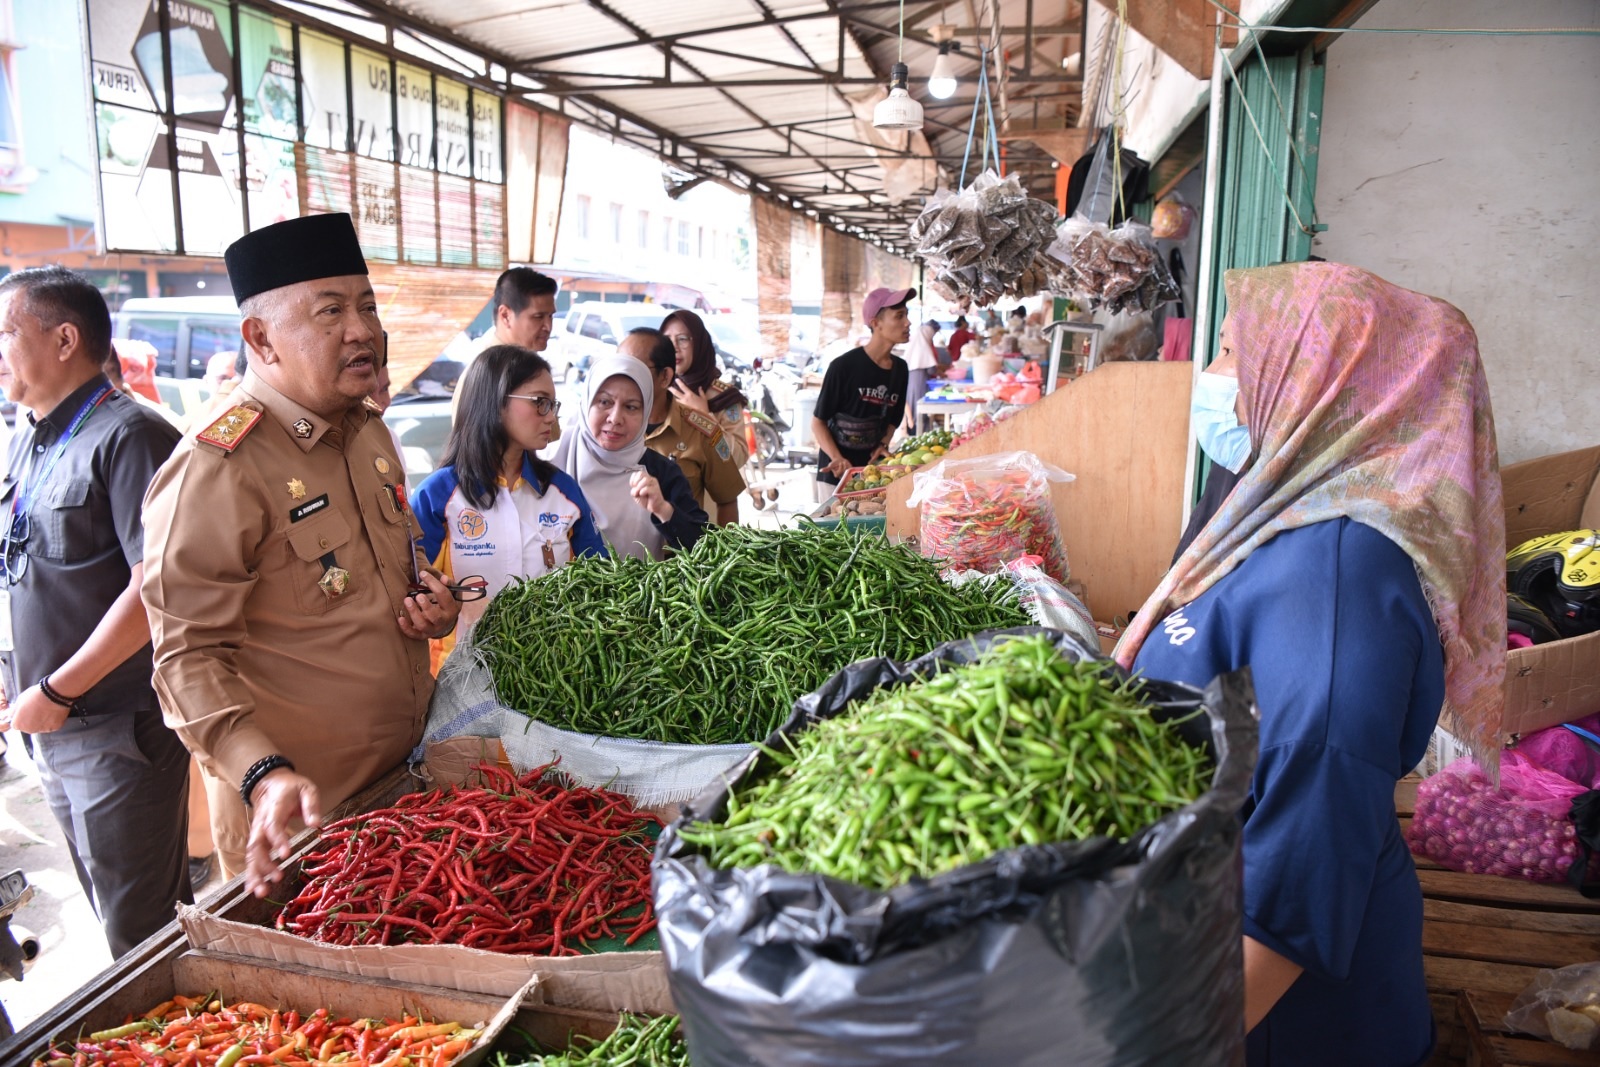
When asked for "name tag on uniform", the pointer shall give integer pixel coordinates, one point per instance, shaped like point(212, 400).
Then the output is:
point(5, 620)
point(308, 509)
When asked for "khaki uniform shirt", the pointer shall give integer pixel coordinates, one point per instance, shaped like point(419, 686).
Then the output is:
point(256, 650)
point(703, 451)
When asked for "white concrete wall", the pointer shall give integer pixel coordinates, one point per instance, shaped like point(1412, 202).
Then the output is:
point(1469, 168)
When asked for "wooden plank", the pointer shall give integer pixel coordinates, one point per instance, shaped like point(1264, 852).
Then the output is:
point(1487, 1011)
point(1534, 948)
point(1530, 1052)
point(553, 1026)
point(1448, 911)
point(1448, 975)
point(1123, 431)
point(1183, 29)
point(1405, 796)
point(1484, 888)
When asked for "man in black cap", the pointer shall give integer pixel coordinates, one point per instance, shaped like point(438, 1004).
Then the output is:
point(289, 614)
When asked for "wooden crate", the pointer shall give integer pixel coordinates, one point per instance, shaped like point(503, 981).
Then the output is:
point(169, 940)
point(1484, 939)
point(281, 985)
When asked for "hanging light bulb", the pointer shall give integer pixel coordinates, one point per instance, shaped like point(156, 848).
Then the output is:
point(897, 111)
point(942, 79)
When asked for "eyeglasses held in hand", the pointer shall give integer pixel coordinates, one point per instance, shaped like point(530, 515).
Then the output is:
point(542, 404)
point(13, 549)
point(470, 588)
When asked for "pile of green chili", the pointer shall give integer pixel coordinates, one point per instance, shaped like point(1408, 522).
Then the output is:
point(637, 1041)
point(714, 645)
point(1021, 747)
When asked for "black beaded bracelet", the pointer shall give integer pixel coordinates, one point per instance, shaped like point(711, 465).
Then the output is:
point(72, 706)
point(259, 770)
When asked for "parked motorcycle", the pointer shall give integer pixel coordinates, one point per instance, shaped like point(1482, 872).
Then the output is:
point(17, 953)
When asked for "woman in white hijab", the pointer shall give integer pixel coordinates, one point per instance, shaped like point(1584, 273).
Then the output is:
point(641, 500)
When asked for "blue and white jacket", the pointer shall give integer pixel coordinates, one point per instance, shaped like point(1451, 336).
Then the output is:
point(534, 527)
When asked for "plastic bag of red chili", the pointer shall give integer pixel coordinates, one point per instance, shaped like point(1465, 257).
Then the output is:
point(982, 513)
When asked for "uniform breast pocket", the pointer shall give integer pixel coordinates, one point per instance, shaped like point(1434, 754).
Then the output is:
point(67, 526)
point(319, 548)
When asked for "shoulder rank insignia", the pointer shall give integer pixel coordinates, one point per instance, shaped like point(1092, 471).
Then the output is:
point(231, 428)
point(704, 423)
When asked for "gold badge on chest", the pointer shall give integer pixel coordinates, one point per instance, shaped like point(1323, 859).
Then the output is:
point(334, 583)
point(297, 489)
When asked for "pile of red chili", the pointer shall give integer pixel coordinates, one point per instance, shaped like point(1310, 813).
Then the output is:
point(525, 865)
point(204, 1032)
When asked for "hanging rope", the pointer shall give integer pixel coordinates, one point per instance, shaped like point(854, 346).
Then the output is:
point(991, 141)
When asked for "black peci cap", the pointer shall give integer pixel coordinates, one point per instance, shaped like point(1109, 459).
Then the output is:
point(295, 250)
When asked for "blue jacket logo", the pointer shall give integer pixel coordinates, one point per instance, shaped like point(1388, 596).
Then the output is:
point(549, 518)
point(1177, 628)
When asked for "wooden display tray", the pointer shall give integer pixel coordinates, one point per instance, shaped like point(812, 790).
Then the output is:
point(280, 985)
point(169, 940)
point(1483, 940)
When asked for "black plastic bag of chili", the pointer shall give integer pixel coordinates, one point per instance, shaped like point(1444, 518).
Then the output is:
point(1093, 953)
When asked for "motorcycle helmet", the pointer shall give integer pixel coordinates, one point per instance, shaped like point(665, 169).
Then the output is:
point(1560, 575)
point(1527, 619)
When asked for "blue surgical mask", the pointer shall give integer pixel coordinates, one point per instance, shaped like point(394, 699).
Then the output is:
point(1215, 423)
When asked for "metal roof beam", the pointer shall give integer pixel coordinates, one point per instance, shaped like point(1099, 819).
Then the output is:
point(684, 35)
point(666, 51)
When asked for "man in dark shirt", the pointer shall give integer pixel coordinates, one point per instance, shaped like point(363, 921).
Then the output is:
point(75, 657)
point(863, 394)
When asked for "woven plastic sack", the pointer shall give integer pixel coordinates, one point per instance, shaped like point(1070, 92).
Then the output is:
point(1047, 601)
point(982, 513)
point(1562, 1005)
point(1520, 830)
point(650, 773)
point(1095, 953)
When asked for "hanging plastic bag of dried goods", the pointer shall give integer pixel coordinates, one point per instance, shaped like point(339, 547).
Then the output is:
point(982, 513)
point(980, 242)
point(1119, 269)
point(1097, 953)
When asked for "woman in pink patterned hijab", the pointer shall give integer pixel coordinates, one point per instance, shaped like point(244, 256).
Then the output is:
point(1358, 569)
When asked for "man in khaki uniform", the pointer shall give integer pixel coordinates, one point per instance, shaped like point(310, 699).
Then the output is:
point(695, 440)
point(291, 642)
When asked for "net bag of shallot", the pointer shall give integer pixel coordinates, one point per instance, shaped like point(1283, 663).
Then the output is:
point(1519, 829)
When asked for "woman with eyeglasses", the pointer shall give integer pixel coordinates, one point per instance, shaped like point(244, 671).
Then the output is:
point(697, 387)
point(642, 501)
point(494, 510)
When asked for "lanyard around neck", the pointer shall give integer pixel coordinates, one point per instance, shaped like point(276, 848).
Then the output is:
point(35, 476)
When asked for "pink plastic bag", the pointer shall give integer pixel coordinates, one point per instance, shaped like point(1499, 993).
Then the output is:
point(1560, 751)
point(1521, 830)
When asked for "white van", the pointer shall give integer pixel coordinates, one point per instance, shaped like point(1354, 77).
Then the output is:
point(592, 328)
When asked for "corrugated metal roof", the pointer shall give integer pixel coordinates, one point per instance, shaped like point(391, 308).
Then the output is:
point(753, 91)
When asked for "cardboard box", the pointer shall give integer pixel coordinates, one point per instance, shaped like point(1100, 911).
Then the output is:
point(1550, 684)
point(282, 985)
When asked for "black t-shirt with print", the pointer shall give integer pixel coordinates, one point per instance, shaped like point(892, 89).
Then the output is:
point(859, 402)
